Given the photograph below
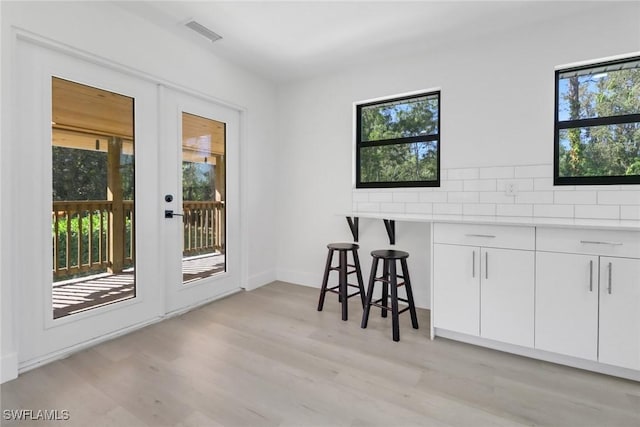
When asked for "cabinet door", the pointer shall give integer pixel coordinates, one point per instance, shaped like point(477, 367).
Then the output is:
point(620, 312)
point(507, 295)
point(456, 293)
point(567, 304)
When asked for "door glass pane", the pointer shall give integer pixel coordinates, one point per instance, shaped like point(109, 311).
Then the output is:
point(92, 216)
point(203, 195)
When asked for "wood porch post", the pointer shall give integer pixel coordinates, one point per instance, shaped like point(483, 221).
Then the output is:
point(116, 216)
point(220, 194)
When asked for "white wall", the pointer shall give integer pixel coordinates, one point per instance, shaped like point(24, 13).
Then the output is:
point(497, 123)
point(110, 32)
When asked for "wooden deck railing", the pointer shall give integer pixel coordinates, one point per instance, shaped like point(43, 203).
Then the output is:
point(81, 233)
point(203, 227)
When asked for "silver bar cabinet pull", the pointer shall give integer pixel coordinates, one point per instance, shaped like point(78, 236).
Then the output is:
point(591, 276)
point(596, 242)
point(473, 264)
point(610, 268)
point(489, 236)
point(486, 265)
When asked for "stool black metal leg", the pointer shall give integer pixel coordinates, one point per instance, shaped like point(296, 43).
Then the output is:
point(325, 279)
point(343, 284)
point(385, 286)
point(394, 300)
point(367, 304)
point(407, 285)
point(356, 262)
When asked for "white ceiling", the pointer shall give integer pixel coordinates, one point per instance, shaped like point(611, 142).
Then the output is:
point(284, 40)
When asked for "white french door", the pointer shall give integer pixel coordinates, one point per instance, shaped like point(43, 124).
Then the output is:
point(201, 206)
point(55, 93)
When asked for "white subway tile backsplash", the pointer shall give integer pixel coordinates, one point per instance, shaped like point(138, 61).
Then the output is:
point(534, 171)
point(479, 185)
point(619, 197)
point(597, 212)
point(368, 207)
point(553, 211)
point(496, 197)
point(478, 209)
point(392, 207)
point(419, 208)
point(464, 173)
point(522, 184)
point(542, 184)
point(546, 184)
point(575, 198)
point(456, 185)
point(463, 197)
point(406, 197)
point(433, 196)
point(447, 208)
point(360, 196)
point(565, 187)
point(481, 191)
point(381, 197)
point(514, 210)
point(597, 187)
point(534, 197)
point(630, 212)
point(497, 172)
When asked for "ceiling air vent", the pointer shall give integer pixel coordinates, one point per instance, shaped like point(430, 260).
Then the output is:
point(203, 31)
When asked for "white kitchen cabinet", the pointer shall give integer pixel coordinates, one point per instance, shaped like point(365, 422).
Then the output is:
point(567, 304)
point(507, 296)
point(457, 290)
point(588, 302)
point(620, 312)
point(483, 290)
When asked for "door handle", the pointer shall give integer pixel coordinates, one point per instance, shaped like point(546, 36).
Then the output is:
point(170, 214)
point(486, 265)
point(473, 264)
point(597, 242)
point(591, 276)
point(610, 269)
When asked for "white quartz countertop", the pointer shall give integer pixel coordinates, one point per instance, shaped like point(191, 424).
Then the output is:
point(604, 224)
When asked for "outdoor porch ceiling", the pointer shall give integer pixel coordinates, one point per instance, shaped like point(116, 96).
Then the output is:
point(87, 118)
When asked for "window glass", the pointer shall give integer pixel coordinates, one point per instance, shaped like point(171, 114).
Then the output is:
point(93, 197)
point(398, 142)
point(597, 128)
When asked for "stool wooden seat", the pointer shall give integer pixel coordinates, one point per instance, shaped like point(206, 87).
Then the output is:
point(343, 272)
point(389, 279)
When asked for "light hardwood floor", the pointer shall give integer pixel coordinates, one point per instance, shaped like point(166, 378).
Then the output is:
point(268, 358)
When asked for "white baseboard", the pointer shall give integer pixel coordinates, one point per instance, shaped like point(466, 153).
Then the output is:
point(299, 278)
point(8, 367)
point(541, 355)
point(260, 279)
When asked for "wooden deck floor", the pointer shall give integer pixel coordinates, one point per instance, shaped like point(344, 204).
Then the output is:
point(267, 358)
point(79, 295)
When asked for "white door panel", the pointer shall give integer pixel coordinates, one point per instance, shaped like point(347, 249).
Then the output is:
point(182, 290)
point(507, 296)
point(567, 304)
point(40, 334)
point(620, 312)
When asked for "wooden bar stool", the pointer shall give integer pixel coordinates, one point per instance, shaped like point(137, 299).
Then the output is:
point(389, 279)
point(342, 287)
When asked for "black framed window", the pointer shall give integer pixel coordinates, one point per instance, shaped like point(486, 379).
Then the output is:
point(398, 142)
point(597, 124)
